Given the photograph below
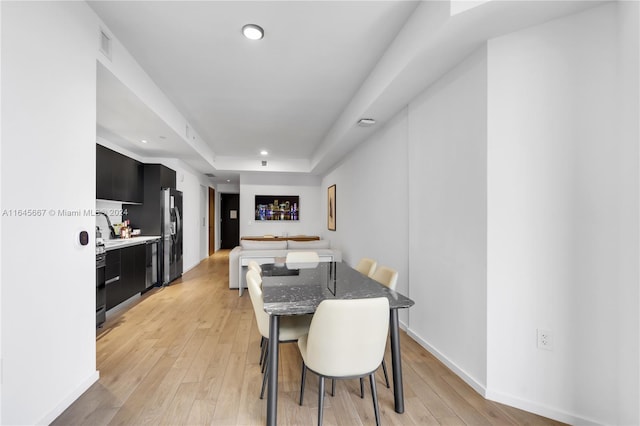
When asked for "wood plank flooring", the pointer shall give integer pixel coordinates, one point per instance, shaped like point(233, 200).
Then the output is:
point(187, 354)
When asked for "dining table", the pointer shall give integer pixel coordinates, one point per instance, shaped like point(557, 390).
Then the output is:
point(298, 288)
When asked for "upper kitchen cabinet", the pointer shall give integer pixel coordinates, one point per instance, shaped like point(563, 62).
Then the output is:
point(118, 177)
point(147, 216)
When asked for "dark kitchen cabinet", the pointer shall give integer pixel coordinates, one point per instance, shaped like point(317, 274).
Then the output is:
point(125, 273)
point(115, 290)
point(134, 267)
point(118, 177)
point(146, 217)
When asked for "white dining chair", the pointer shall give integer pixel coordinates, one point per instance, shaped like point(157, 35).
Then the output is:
point(346, 339)
point(366, 266)
point(255, 266)
point(291, 327)
point(386, 276)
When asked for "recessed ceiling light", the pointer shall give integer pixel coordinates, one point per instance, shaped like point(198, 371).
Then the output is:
point(253, 31)
point(366, 122)
point(228, 180)
point(143, 141)
point(264, 152)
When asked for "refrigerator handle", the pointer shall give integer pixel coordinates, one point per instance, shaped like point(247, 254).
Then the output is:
point(178, 224)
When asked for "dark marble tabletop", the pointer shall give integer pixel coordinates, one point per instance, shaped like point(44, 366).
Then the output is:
point(297, 289)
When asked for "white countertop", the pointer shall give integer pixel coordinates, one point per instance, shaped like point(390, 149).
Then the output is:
point(126, 242)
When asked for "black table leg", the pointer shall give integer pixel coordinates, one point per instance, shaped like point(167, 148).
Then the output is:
point(272, 397)
point(396, 361)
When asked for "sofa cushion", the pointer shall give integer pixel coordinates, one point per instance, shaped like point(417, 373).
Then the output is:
point(309, 245)
point(263, 245)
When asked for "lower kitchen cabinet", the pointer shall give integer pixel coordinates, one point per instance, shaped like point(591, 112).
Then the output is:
point(125, 273)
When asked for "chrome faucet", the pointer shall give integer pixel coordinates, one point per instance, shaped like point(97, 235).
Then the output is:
point(113, 231)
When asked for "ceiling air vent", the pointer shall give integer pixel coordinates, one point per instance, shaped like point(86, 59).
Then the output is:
point(210, 175)
point(105, 44)
point(366, 122)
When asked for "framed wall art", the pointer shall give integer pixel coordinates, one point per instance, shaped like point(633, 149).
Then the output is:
point(331, 207)
point(277, 207)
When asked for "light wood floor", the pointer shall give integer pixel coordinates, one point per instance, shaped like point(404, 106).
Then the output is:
point(188, 354)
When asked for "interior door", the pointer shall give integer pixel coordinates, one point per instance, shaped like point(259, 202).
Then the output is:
point(212, 221)
point(229, 221)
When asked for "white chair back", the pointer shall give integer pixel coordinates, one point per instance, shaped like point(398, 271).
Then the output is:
point(302, 259)
point(366, 266)
point(348, 337)
point(254, 283)
point(253, 265)
point(386, 276)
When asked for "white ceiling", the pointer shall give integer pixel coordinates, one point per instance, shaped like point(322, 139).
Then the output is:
point(281, 93)
point(299, 92)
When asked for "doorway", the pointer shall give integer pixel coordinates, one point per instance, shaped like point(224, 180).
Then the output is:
point(229, 221)
point(212, 221)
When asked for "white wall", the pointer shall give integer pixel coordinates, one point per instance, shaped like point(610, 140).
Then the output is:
point(557, 195)
point(48, 149)
point(372, 205)
point(447, 242)
point(523, 213)
point(305, 186)
point(629, 212)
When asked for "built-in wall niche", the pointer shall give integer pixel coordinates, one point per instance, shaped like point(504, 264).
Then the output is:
point(277, 207)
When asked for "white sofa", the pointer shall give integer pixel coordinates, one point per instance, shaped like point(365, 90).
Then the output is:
point(269, 251)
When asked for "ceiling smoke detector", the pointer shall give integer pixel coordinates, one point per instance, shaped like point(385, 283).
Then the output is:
point(366, 122)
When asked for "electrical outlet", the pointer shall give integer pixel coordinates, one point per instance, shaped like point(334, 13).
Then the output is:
point(545, 339)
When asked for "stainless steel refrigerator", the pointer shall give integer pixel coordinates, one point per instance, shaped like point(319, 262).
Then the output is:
point(171, 207)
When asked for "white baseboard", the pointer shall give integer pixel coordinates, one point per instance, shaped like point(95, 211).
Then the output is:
point(510, 400)
point(468, 379)
point(539, 409)
point(66, 402)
